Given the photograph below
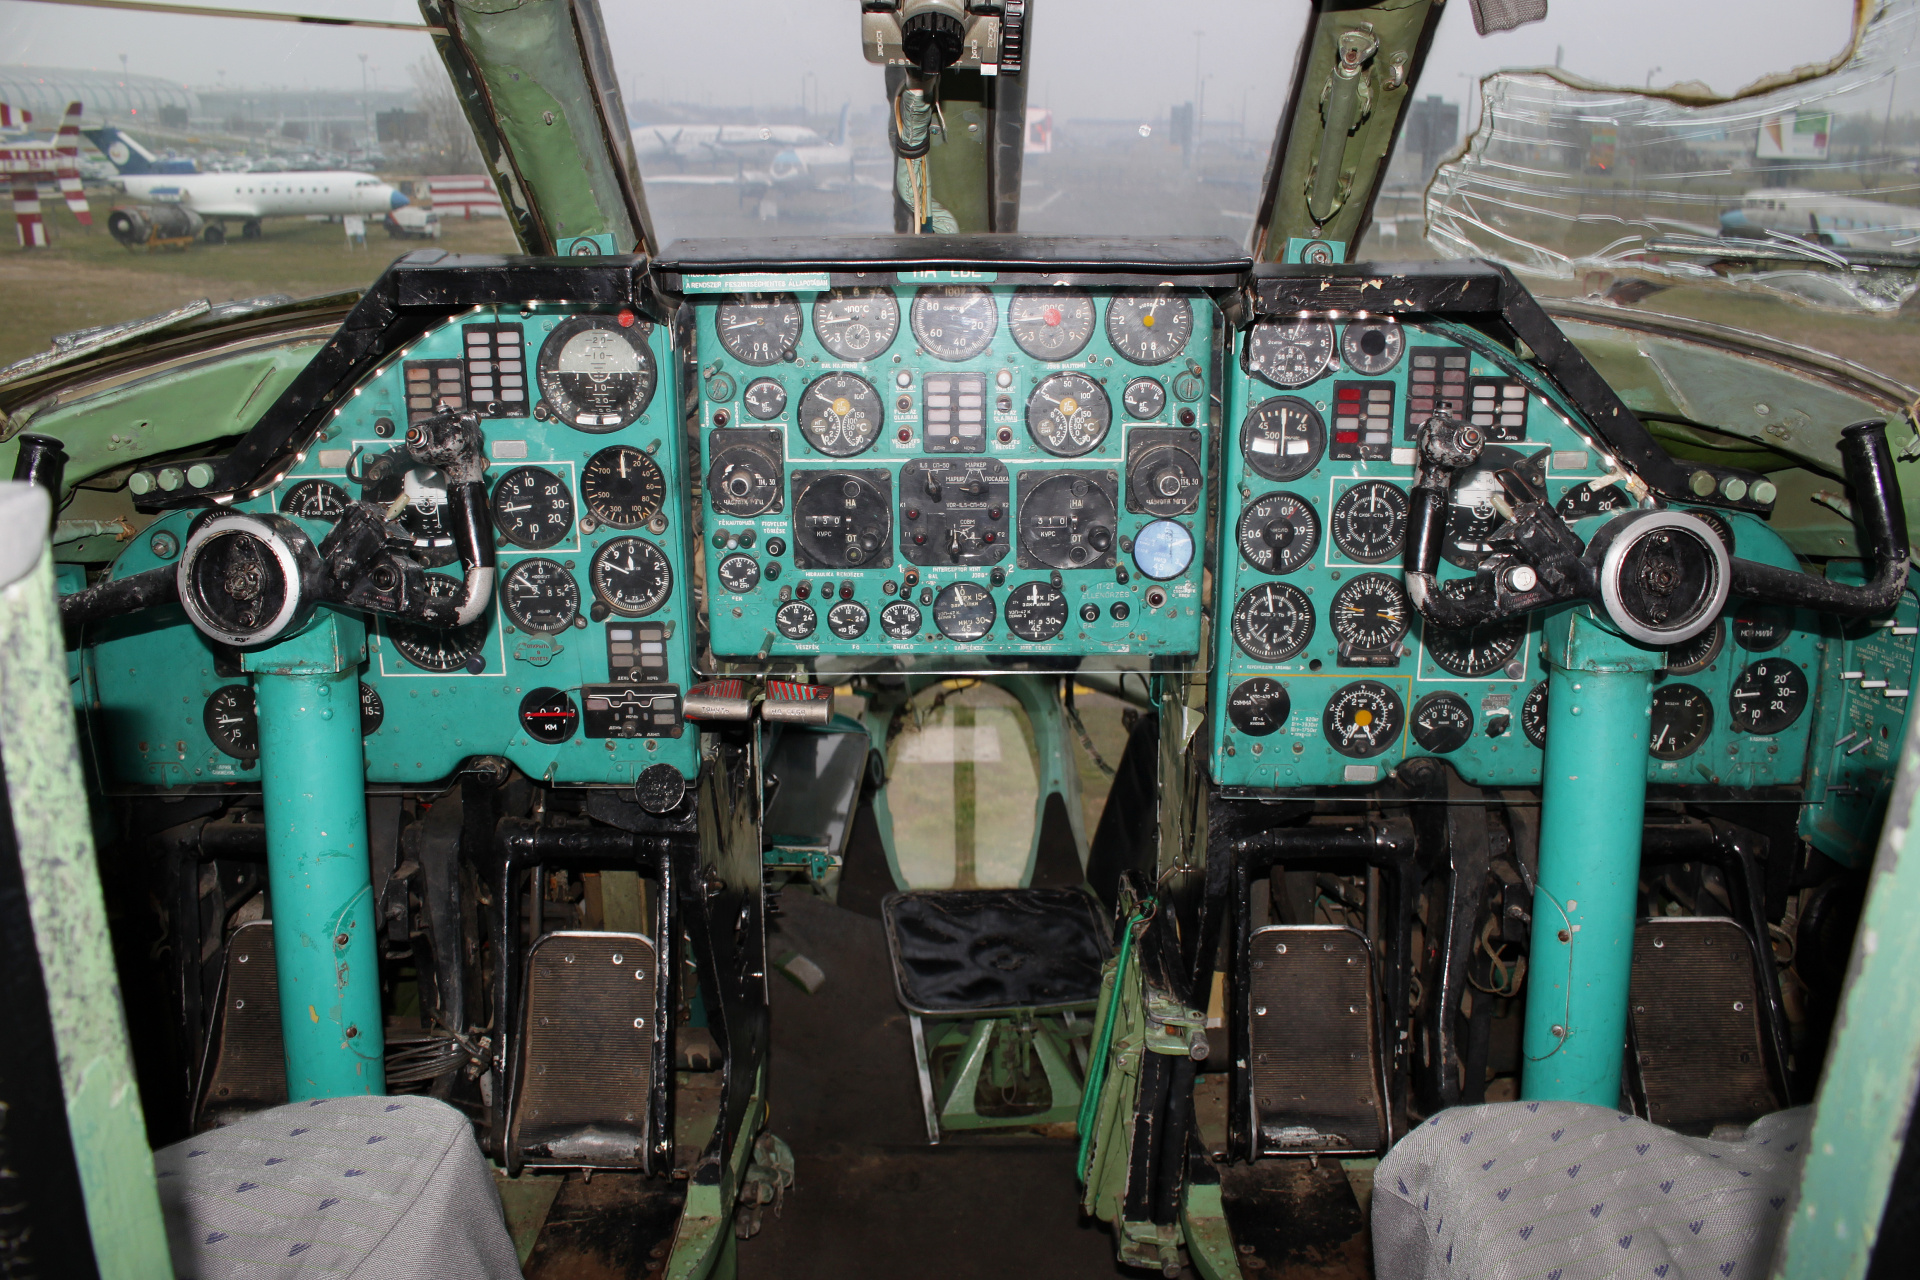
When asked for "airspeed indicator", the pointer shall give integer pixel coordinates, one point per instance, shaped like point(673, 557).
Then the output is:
point(1283, 438)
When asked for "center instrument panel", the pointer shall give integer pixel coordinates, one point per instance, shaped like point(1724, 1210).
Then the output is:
point(1008, 459)
point(578, 669)
point(1323, 673)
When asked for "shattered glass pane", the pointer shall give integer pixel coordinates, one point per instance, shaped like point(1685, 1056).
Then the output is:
point(1802, 187)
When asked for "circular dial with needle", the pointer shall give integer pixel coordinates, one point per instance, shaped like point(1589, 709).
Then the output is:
point(372, 711)
point(856, 324)
point(1585, 500)
point(548, 715)
point(1475, 652)
point(1372, 347)
point(1682, 719)
point(1369, 612)
point(1442, 722)
point(1285, 355)
point(231, 721)
point(954, 321)
point(795, 620)
point(596, 374)
point(1036, 611)
point(963, 611)
point(440, 648)
point(1068, 414)
point(1768, 697)
point(1149, 328)
point(1283, 438)
point(540, 596)
point(1363, 719)
point(900, 620)
point(1278, 533)
point(1698, 653)
point(1049, 323)
point(1144, 398)
point(1370, 521)
point(847, 619)
point(1273, 622)
point(631, 576)
point(531, 507)
point(315, 500)
point(739, 573)
point(840, 414)
point(1533, 715)
point(758, 329)
point(622, 487)
point(764, 398)
point(1259, 707)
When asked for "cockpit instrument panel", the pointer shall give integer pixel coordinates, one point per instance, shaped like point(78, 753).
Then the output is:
point(1004, 458)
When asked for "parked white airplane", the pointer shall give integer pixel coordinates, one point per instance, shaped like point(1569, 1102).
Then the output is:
point(1825, 217)
point(245, 197)
point(767, 158)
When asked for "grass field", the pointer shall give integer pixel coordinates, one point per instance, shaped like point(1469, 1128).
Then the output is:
point(86, 278)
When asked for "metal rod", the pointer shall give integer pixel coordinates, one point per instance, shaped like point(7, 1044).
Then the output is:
point(259, 15)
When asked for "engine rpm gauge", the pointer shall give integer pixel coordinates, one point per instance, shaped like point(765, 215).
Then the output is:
point(764, 398)
point(548, 715)
point(622, 487)
point(315, 500)
point(1289, 355)
point(900, 620)
point(631, 576)
point(1768, 697)
point(848, 619)
point(1372, 347)
point(856, 324)
point(1144, 398)
point(1442, 722)
point(954, 322)
point(1369, 612)
point(1533, 715)
point(1259, 707)
point(840, 414)
point(596, 374)
point(758, 329)
point(540, 596)
point(963, 611)
point(1049, 323)
point(1278, 533)
point(1068, 414)
point(796, 620)
point(531, 507)
point(231, 721)
point(1036, 611)
point(1149, 328)
point(440, 648)
point(1369, 521)
point(1363, 719)
point(1682, 719)
point(1273, 622)
point(1283, 438)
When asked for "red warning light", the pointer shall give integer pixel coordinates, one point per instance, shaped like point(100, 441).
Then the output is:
point(627, 318)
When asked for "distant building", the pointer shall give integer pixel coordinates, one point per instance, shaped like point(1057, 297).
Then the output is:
point(1432, 127)
point(103, 95)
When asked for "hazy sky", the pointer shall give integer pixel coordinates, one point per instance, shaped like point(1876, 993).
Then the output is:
point(1106, 58)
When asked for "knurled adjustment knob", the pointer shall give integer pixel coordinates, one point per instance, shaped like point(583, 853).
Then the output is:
point(933, 40)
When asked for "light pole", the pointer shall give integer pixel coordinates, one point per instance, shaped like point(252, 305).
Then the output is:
point(1652, 73)
point(366, 104)
point(1199, 91)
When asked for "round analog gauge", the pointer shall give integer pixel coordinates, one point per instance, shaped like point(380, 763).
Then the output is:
point(954, 321)
point(1769, 696)
point(1372, 347)
point(1370, 522)
point(963, 611)
point(840, 414)
point(1162, 549)
point(1144, 398)
point(848, 619)
point(622, 487)
point(744, 479)
point(796, 620)
point(1363, 719)
point(531, 507)
point(549, 716)
point(758, 329)
point(1036, 611)
point(1533, 715)
point(765, 398)
point(1283, 438)
point(441, 648)
point(231, 721)
point(1068, 414)
point(1473, 652)
point(1049, 323)
point(1698, 653)
point(1149, 328)
point(595, 374)
point(373, 712)
point(631, 576)
point(1278, 533)
point(1473, 511)
point(1369, 611)
point(1259, 707)
point(1760, 627)
point(856, 324)
point(1721, 526)
point(315, 500)
point(1682, 719)
point(1273, 622)
point(739, 573)
point(900, 620)
point(1585, 500)
point(1442, 722)
point(540, 596)
point(1289, 355)
point(425, 514)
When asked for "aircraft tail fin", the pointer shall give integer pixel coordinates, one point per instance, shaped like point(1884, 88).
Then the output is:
point(840, 136)
point(12, 119)
point(66, 145)
point(126, 155)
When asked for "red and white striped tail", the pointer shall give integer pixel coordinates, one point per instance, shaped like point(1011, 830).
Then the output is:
point(11, 119)
point(67, 141)
point(26, 216)
point(76, 197)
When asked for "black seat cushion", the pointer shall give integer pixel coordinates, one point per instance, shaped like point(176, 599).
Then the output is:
point(974, 951)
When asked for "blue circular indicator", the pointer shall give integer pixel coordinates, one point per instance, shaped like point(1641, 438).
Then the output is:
point(1163, 550)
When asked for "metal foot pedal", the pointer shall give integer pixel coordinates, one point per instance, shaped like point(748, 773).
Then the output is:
point(1698, 1055)
point(590, 1053)
point(247, 1064)
point(1315, 1071)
